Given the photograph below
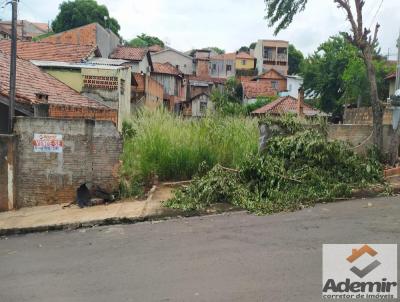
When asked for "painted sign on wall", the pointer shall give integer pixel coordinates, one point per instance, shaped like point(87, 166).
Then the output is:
point(48, 143)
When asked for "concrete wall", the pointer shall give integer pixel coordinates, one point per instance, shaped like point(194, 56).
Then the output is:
point(71, 78)
point(359, 136)
point(293, 86)
point(114, 90)
point(197, 110)
point(244, 64)
point(106, 40)
point(183, 62)
point(392, 86)
point(218, 68)
point(91, 153)
point(7, 172)
point(363, 116)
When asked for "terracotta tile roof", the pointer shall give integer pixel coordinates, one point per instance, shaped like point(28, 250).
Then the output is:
point(166, 68)
point(270, 74)
point(244, 56)
point(155, 48)
point(5, 29)
point(31, 80)
point(50, 52)
point(225, 57)
point(207, 79)
point(391, 76)
point(42, 26)
point(287, 104)
point(252, 90)
point(129, 53)
point(233, 56)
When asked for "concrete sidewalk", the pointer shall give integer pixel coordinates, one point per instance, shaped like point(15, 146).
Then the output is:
point(54, 217)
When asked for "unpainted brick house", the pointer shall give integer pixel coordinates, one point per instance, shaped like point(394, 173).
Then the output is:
point(108, 84)
point(92, 34)
point(39, 94)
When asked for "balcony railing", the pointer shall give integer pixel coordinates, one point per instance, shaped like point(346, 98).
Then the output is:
point(282, 57)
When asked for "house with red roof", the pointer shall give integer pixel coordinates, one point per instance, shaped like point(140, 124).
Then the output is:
point(39, 94)
point(173, 82)
point(91, 34)
point(139, 58)
point(289, 105)
point(45, 51)
point(176, 58)
point(26, 30)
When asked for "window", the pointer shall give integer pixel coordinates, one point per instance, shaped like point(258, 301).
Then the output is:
point(203, 107)
point(214, 67)
point(228, 67)
point(177, 66)
point(275, 84)
point(243, 62)
point(122, 88)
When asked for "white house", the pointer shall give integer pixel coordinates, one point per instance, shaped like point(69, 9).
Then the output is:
point(294, 83)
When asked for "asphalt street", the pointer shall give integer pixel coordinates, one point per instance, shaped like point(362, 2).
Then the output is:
point(230, 257)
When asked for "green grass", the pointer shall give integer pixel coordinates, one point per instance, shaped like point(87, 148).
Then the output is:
point(173, 148)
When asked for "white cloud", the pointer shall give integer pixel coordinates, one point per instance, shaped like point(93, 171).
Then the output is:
point(227, 24)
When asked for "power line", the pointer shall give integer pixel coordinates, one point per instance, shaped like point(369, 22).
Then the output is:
point(376, 14)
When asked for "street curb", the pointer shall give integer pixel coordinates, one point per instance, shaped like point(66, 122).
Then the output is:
point(169, 214)
point(111, 221)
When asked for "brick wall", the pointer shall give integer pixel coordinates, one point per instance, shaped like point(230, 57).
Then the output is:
point(85, 35)
point(363, 116)
point(202, 68)
point(91, 154)
point(64, 111)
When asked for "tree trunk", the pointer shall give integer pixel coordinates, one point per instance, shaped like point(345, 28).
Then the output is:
point(377, 108)
point(394, 146)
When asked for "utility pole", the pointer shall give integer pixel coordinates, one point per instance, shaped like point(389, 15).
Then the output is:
point(13, 65)
point(397, 86)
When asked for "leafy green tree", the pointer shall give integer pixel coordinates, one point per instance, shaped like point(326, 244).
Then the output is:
point(280, 13)
point(296, 58)
point(82, 12)
point(253, 45)
point(323, 72)
point(244, 49)
point(144, 40)
point(260, 102)
point(336, 73)
point(229, 101)
point(216, 49)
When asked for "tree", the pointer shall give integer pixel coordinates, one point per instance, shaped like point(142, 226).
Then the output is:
point(216, 49)
point(244, 49)
point(336, 73)
point(82, 12)
point(144, 40)
point(253, 45)
point(229, 101)
point(295, 59)
point(323, 72)
point(280, 13)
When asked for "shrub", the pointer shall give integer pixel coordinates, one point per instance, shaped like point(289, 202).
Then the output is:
point(293, 172)
point(172, 147)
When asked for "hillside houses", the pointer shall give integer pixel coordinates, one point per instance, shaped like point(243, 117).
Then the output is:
point(93, 62)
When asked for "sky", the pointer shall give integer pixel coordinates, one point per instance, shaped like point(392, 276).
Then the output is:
point(227, 24)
